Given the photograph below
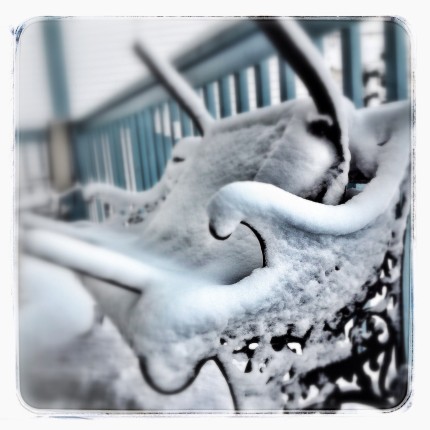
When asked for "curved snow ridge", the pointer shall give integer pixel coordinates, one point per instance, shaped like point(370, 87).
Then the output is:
point(264, 205)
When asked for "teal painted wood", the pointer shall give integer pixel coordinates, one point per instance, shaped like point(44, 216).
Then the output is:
point(110, 134)
point(396, 58)
point(86, 170)
point(135, 147)
point(144, 152)
point(99, 155)
point(116, 155)
point(57, 72)
point(158, 143)
point(150, 146)
point(209, 98)
point(351, 64)
point(287, 83)
point(175, 121)
point(262, 83)
point(166, 127)
point(95, 154)
point(91, 157)
point(81, 159)
point(224, 96)
point(85, 145)
point(241, 87)
point(186, 125)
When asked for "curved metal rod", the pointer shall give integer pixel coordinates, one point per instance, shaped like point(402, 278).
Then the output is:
point(150, 381)
point(176, 85)
point(296, 48)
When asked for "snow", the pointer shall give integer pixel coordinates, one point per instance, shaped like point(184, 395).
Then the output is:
point(255, 203)
point(202, 289)
point(54, 308)
point(181, 290)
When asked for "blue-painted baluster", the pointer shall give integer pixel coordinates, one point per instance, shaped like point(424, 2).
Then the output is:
point(78, 208)
point(351, 63)
point(144, 151)
point(79, 159)
point(175, 122)
point(287, 83)
point(149, 139)
point(108, 161)
point(186, 125)
point(127, 165)
point(111, 142)
point(158, 142)
point(262, 83)
point(91, 157)
point(396, 57)
point(82, 159)
point(224, 96)
point(99, 155)
point(137, 158)
point(95, 152)
point(195, 130)
point(241, 85)
point(116, 155)
point(209, 98)
point(166, 132)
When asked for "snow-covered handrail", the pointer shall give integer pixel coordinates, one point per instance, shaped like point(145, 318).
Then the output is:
point(263, 205)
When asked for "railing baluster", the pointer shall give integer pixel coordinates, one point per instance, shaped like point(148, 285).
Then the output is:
point(262, 83)
point(351, 63)
point(186, 125)
point(241, 85)
point(176, 122)
point(158, 141)
point(117, 155)
point(287, 81)
point(224, 96)
point(149, 139)
point(396, 75)
point(137, 159)
point(209, 98)
point(166, 132)
point(144, 151)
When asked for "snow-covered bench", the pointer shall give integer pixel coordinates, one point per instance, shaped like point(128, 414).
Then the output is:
point(255, 254)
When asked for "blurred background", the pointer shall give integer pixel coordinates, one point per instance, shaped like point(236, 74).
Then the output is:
point(87, 109)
